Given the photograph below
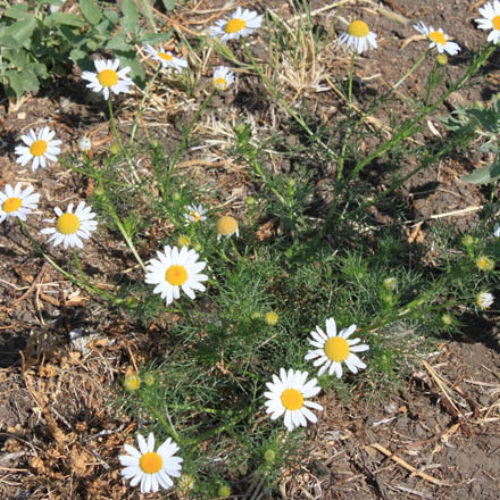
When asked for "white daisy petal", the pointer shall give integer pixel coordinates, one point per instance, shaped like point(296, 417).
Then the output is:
point(152, 469)
point(240, 24)
point(70, 227)
point(438, 39)
point(288, 395)
point(335, 349)
point(176, 269)
point(16, 202)
point(108, 78)
point(39, 148)
point(359, 37)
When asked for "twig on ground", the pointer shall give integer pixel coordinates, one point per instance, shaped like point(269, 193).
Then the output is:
point(407, 466)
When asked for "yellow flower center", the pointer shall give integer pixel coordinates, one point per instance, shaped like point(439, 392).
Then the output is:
point(68, 224)
point(271, 318)
point(235, 25)
point(196, 216)
point(292, 399)
point(11, 205)
point(220, 83)
point(337, 349)
point(38, 148)
point(165, 56)
point(176, 275)
point(359, 29)
point(496, 22)
point(438, 37)
point(108, 77)
point(151, 462)
point(226, 225)
point(485, 263)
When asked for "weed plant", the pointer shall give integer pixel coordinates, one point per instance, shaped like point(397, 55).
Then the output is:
point(296, 260)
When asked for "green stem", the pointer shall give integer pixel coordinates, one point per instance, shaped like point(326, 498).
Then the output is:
point(185, 136)
point(78, 266)
point(168, 427)
point(119, 141)
point(350, 127)
point(141, 106)
point(121, 227)
point(408, 128)
point(82, 284)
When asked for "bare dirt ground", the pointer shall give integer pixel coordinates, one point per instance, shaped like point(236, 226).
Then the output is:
point(438, 436)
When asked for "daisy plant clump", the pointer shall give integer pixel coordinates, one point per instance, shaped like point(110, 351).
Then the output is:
point(358, 37)
point(71, 227)
point(490, 20)
point(439, 39)
point(176, 269)
point(332, 349)
point(194, 214)
point(167, 59)
point(108, 78)
point(222, 78)
point(289, 395)
point(17, 202)
point(242, 23)
point(149, 468)
point(39, 148)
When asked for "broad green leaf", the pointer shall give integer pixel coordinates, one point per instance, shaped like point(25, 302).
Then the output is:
point(483, 175)
point(169, 4)
point(90, 11)
point(111, 15)
point(21, 31)
point(22, 82)
point(77, 55)
point(9, 42)
point(18, 11)
point(130, 15)
point(119, 42)
point(40, 70)
point(58, 18)
point(154, 38)
point(129, 58)
point(495, 168)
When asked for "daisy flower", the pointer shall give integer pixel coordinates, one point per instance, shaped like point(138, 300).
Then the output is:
point(71, 227)
point(484, 300)
point(241, 23)
point(39, 148)
point(16, 202)
point(227, 226)
point(151, 468)
point(175, 269)
point(108, 78)
point(438, 38)
point(333, 349)
point(496, 230)
point(359, 37)
point(223, 78)
point(490, 20)
point(167, 59)
point(195, 213)
point(288, 395)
